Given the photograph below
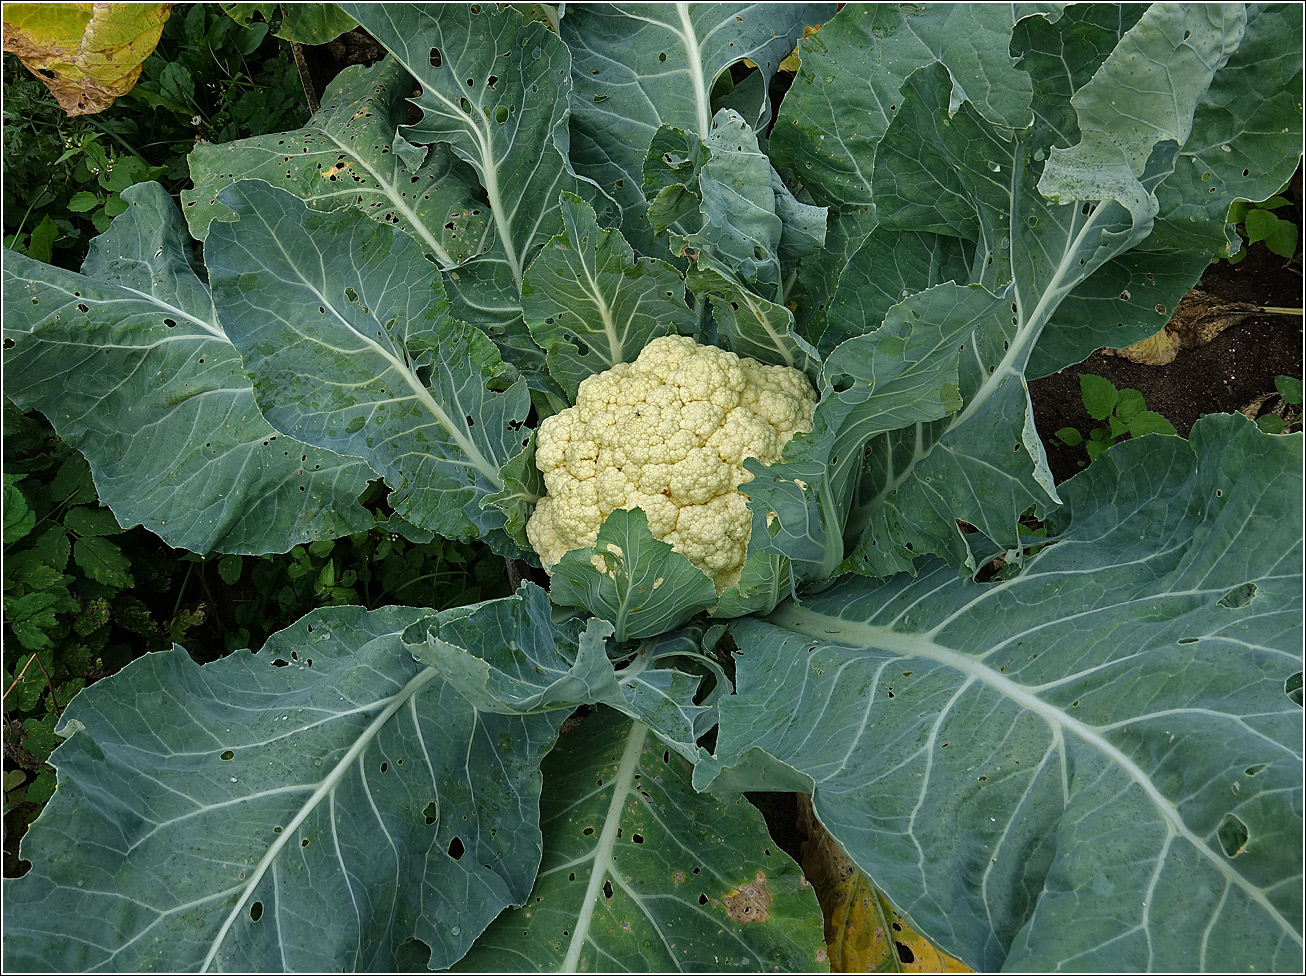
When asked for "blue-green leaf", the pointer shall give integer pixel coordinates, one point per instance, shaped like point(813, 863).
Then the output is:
point(166, 416)
point(750, 325)
point(1145, 92)
point(344, 328)
point(984, 465)
point(725, 208)
point(1079, 740)
point(213, 817)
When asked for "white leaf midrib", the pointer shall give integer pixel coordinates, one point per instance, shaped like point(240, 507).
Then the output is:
point(814, 624)
point(324, 789)
point(622, 787)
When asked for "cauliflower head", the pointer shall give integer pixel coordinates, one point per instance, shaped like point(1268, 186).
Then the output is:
point(667, 434)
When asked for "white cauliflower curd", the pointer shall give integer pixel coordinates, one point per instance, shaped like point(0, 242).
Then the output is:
point(668, 434)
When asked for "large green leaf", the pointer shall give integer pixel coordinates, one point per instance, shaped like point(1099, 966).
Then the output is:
point(1165, 63)
point(944, 169)
point(214, 817)
point(344, 328)
point(496, 91)
point(864, 54)
point(890, 266)
point(641, 66)
point(948, 171)
point(590, 303)
point(739, 228)
point(129, 363)
point(642, 874)
point(721, 204)
point(344, 157)
point(846, 94)
point(1094, 764)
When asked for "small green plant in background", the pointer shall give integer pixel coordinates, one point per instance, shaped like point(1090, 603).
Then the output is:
point(1260, 224)
point(371, 569)
point(210, 79)
point(1290, 392)
point(107, 176)
point(1124, 411)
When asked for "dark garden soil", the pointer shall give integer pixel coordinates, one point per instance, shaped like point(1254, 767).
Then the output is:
point(1223, 376)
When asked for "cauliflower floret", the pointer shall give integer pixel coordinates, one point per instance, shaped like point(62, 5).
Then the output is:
point(668, 434)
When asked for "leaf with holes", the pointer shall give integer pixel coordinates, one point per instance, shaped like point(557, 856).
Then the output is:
point(642, 874)
point(1243, 144)
point(343, 327)
point(345, 157)
point(495, 91)
point(1106, 742)
point(167, 416)
point(327, 776)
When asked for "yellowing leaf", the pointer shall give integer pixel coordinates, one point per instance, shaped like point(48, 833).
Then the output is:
point(1199, 318)
point(86, 53)
point(794, 61)
point(1156, 350)
point(863, 932)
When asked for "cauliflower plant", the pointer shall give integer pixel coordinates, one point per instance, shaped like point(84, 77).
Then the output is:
point(668, 434)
